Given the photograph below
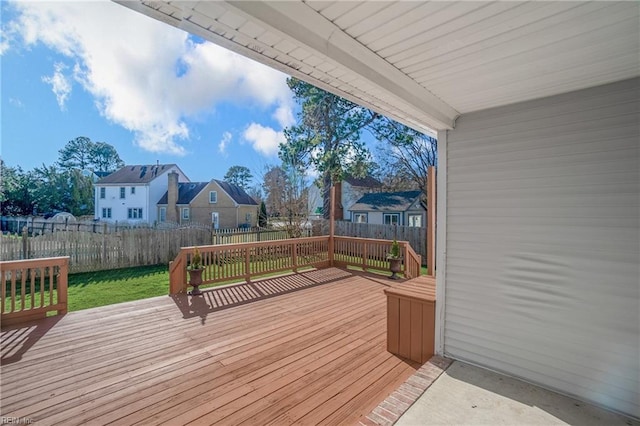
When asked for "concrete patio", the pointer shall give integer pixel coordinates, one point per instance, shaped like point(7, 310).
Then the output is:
point(469, 395)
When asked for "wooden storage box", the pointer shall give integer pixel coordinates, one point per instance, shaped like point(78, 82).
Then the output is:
point(411, 321)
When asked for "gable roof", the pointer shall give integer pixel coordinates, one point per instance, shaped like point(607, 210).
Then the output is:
point(187, 191)
point(366, 182)
point(386, 201)
point(236, 193)
point(138, 173)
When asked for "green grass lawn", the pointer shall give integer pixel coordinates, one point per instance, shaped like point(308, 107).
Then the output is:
point(93, 289)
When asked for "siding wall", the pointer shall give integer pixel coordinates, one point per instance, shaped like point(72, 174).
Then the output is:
point(542, 275)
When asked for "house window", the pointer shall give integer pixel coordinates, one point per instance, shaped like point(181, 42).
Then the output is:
point(133, 190)
point(213, 197)
point(391, 218)
point(122, 192)
point(135, 213)
point(185, 213)
point(360, 217)
point(103, 193)
point(163, 214)
point(106, 212)
point(415, 220)
point(247, 218)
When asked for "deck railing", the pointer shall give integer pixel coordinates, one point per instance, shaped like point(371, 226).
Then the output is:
point(228, 262)
point(231, 262)
point(32, 288)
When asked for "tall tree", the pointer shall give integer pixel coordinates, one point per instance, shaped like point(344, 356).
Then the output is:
point(76, 154)
point(275, 181)
point(239, 175)
point(104, 158)
point(83, 154)
point(262, 216)
point(327, 137)
point(16, 191)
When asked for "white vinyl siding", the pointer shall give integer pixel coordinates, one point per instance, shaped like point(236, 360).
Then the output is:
point(542, 245)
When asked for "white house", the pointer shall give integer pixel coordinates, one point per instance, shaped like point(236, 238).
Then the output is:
point(131, 193)
point(536, 108)
point(347, 192)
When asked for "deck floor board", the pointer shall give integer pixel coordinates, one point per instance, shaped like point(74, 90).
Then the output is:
point(315, 354)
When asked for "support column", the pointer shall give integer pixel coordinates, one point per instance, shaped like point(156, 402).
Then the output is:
point(431, 221)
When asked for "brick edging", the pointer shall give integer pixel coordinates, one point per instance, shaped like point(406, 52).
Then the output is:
point(395, 405)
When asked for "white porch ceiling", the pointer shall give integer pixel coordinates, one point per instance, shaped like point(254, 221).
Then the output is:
point(424, 63)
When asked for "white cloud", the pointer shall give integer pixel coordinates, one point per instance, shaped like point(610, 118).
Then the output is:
point(144, 75)
point(60, 84)
point(284, 115)
point(16, 103)
point(222, 146)
point(264, 139)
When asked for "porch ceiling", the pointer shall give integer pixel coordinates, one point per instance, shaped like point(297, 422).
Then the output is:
point(424, 63)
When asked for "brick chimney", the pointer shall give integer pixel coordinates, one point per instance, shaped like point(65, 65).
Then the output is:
point(172, 197)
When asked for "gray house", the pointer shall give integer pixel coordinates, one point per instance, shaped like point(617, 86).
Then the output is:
point(390, 208)
point(536, 108)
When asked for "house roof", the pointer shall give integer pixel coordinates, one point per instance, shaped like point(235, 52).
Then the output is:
point(386, 201)
point(366, 182)
point(236, 193)
point(187, 191)
point(136, 174)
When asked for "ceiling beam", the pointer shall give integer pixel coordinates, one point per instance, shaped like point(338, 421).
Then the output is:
point(304, 25)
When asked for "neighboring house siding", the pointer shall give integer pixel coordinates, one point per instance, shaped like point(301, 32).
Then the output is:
point(230, 215)
point(119, 205)
point(145, 197)
point(158, 187)
point(542, 278)
point(351, 194)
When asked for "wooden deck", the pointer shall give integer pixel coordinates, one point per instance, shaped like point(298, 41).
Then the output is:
point(312, 356)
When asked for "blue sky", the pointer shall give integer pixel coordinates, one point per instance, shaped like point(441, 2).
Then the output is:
point(98, 69)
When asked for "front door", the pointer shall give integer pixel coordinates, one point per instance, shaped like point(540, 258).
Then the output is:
point(215, 220)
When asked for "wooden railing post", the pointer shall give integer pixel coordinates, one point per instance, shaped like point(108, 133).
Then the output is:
point(63, 282)
point(247, 264)
point(332, 224)
point(365, 256)
point(405, 256)
point(294, 253)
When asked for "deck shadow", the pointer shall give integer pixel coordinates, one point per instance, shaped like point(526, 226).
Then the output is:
point(220, 298)
point(18, 339)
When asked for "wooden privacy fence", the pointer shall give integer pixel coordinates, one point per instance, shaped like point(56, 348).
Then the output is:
point(414, 235)
point(127, 247)
point(31, 288)
point(89, 251)
point(228, 262)
point(240, 235)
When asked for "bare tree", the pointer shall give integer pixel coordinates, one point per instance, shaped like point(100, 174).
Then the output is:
point(405, 156)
